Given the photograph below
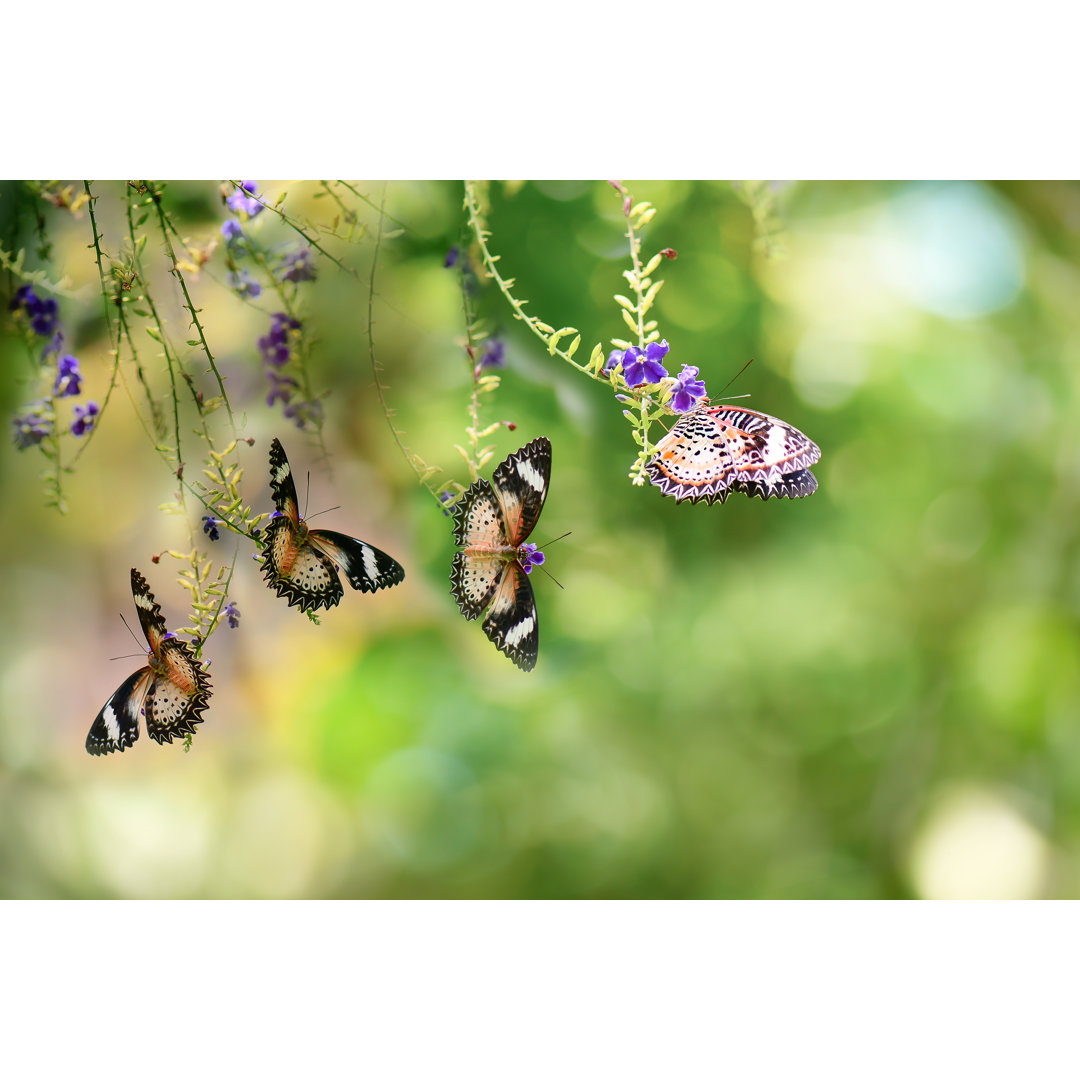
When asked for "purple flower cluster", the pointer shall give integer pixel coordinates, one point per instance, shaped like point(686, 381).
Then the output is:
point(39, 420)
point(241, 202)
point(43, 314)
point(276, 349)
point(493, 356)
point(243, 284)
point(529, 556)
point(232, 613)
point(639, 367)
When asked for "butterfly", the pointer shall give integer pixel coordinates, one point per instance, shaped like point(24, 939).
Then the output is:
point(717, 449)
point(301, 563)
point(492, 522)
point(171, 691)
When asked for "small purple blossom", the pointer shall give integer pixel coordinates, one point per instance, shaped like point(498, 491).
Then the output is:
point(689, 389)
point(68, 377)
point(281, 388)
point(232, 613)
point(493, 356)
point(298, 266)
point(30, 429)
point(639, 369)
point(452, 257)
point(244, 284)
point(529, 556)
point(302, 413)
point(240, 201)
point(274, 346)
point(84, 418)
point(615, 358)
point(232, 231)
point(210, 527)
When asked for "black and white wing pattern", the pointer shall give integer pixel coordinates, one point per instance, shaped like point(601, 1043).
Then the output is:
point(491, 523)
point(171, 692)
point(716, 450)
point(301, 563)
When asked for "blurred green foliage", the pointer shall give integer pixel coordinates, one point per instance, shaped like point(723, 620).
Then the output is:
point(811, 698)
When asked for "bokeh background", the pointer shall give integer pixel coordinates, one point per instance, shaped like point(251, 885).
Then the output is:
point(870, 693)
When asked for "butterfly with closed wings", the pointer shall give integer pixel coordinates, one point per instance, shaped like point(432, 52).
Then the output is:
point(492, 522)
point(717, 449)
point(171, 691)
point(301, 563)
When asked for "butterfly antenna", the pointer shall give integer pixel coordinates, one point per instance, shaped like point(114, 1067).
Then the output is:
point(326, 511)
point(540, 547)
point(129, 656)
point(735, 376)
point(307, 494)
point(130, 631)
point(552, 576)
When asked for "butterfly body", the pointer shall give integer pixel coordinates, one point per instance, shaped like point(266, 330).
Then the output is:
point(717, 449)
point(171, 692)
point(492, 521)
point(301, 563)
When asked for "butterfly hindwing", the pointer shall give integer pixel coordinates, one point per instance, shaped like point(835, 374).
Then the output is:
point(511, 622)
point(306, 578)
point(365, 566)
point(473, 581)
point(178, 695)
point(715, 450)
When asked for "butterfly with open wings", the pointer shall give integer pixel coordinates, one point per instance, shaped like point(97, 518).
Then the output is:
point(717, 449)
point(492, 522)
point(301, 563)
point(171, 692)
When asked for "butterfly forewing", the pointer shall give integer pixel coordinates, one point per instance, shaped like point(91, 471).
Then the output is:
point(116, 727)
point(717, 449)
point(521, 484)
point(366, 567)
point(281, 482)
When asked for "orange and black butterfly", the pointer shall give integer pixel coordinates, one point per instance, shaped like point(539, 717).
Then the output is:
point(492, 522)
point(171, 692)
point(301, 563)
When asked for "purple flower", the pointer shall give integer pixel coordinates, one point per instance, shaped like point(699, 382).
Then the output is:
point(297, 266)
point(232, 231)
point(210, 527)
point(241, 203)
point(30, 429)
point(452, 257)
point(281, 388)
point(67, 377)
point(244, 284)
point(232, 613)
point(529, 556)
point(688, 389)
point(302, 413)
point(43, 313)
point(53, 347)
point(641, 369)
point(614, 360)
point(84, 418)
point(494, 355)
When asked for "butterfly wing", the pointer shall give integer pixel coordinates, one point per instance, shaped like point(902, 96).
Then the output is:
point(281, 482)
point(150, 617)
point(178, 694)
point(693, 460)
point(511, 622)
point(715, 450)
point(521, 486)
point(367, 568)
point(116, 727)
point(306, 577)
